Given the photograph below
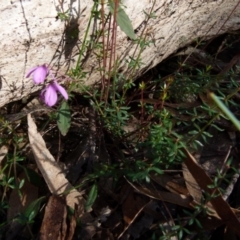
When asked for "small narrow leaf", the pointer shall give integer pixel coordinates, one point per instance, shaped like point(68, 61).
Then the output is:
point(123, 20)
point(199, 143)
point(91, 197)
point(225, 110)
point(64, 118)
point(157, 170)
point(21, 183)
point(33, 209)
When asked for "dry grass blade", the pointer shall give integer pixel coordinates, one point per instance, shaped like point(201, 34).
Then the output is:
point(52, 173)
point(222, 208)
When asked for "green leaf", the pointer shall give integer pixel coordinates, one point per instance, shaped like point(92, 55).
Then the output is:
point(180, 234)
point(64, 118)
point(218, 128)
point(198, 223)
point(32, 210)
point(33, 177)
point(225, 110)
point(123, 20)
point(199, 143)
point(91, 197)
point(157, 170)
point(21, 183)
point(207, 134)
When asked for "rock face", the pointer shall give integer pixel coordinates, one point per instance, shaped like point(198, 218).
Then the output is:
point(32, 34)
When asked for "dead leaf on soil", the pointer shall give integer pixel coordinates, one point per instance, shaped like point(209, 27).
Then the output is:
point(131, 208)
point(175, 198)
point(169, 183)
point(191, 184)
point(51, 171)
point(220, 205)
point(54, 224)
point(3, 153)
point(178, 199)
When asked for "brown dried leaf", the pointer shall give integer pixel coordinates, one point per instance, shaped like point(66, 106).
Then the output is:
point(72, 227)
point(51, 171)
point(168, 182)
point(54, 224)
point(222, 208)
point(178, 199)
point(191, 184)
point(3, 153)
point(195, 191)
point(229, 234)
point(132, 207)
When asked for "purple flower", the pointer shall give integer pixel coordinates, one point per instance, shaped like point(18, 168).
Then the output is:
point(39, 73)
point(49, 94)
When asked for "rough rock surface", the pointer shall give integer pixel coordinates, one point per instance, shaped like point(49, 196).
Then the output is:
point(32, 35)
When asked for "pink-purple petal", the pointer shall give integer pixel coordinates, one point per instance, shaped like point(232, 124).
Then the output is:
point(39, 73)
point(31, 71)
point(50, 95)
point(60, 89)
